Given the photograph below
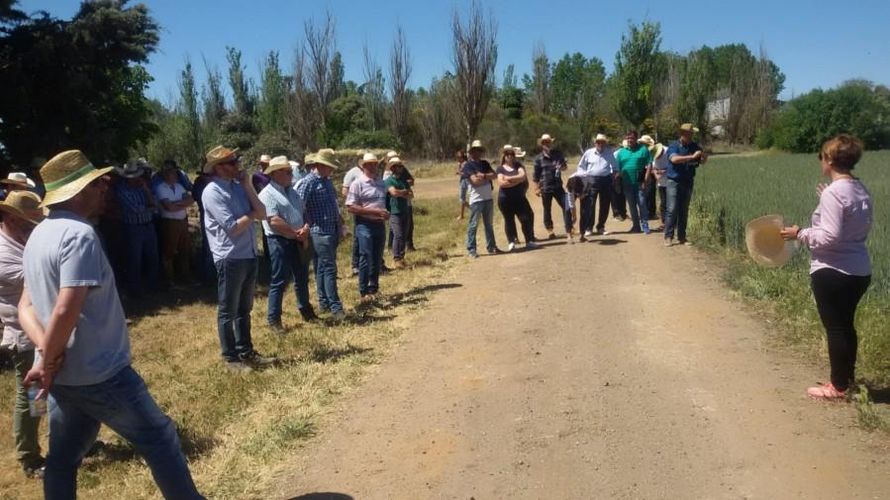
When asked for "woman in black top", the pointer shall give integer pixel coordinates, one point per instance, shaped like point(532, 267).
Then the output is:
point(513, 185)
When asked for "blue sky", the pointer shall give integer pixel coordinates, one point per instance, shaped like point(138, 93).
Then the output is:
point(816, 43)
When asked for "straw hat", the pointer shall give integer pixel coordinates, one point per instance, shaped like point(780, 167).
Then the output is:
point(265, 159)
point(600, 138)
point(518, 152)
point(18, 179)
point(217, 155)
point(546, 138)
point(66, 174)
point(391, 154)
point(647, 140)
point(765, 243)
point(369, 158)
point(476, 144)
point(277, 163)
point(508, 148)
point(394, 161)
point(131, 170)
point(23, 204)
point(324, 157)
point(688, 127)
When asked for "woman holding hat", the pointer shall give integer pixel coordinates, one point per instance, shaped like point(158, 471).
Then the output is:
point(20, 213)
point(513, 185)
point(840, 268)
point(400, 195)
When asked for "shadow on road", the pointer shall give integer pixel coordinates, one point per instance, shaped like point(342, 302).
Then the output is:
point(323, 496)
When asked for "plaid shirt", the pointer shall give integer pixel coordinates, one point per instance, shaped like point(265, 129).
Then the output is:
point(322, 213)
point(133, 203)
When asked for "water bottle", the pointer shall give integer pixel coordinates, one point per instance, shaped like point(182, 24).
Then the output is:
point(37, 406)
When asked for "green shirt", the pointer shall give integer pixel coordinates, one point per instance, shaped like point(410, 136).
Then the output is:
point(397, 204)
point(633, 163)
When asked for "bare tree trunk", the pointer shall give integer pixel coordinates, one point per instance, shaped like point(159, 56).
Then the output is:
point(399, 73)
point(474, 56)
point(320, 49)
point(541, 79)
point(300, 104)
point(373, 89)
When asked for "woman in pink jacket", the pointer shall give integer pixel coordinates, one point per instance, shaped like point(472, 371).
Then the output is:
point(840, 268)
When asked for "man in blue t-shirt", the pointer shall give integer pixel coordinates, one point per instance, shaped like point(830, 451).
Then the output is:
point(684, 157)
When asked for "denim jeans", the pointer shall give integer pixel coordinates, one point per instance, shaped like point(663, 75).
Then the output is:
point(354, 250)
point(409, 227)
point(547, 199)
point(237, 280)
point(125, 406)
point(596, 188)
point(678, 196)
point(24, 426)
point(484, 209)
point(397, 229)
point(142, 262)
point(325, 246)
point(286, 267)
point(371, 241)
point(636, 201)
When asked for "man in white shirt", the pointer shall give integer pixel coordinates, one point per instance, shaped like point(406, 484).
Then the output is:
point(599, 170)
point(176, 242)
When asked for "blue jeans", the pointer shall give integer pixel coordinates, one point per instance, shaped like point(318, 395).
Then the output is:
point(325, 246)
point(142, 262)
point(485, 209)
point(371, 241)
point(398, 230)
point(124, 405)
point(354, 250)
point(679, 194)
point(237, 280)
point(286, 266)
point(639, 209)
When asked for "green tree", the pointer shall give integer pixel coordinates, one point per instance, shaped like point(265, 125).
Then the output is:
point(213, 103)
point(76, 84)
point(273, 95)
point(537, 86)
point(193, 147)
point(697, 85)
point(510, 96)
point(576, 87)
point(241, 96)
point(637, 71)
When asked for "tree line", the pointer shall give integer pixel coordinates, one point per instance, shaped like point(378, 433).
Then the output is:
point(95, 100)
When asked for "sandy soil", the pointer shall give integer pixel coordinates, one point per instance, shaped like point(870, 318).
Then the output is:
point(611, 369)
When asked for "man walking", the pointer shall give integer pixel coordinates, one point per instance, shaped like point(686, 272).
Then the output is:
point(21, 212)
point(325, 226)
point(479, 193)
point(71, 311)
point(634, 163)
point(366, 201)
point(684, 157)
point(230, 208)
point(548, 183)
point(599, 170)
point(288, 236)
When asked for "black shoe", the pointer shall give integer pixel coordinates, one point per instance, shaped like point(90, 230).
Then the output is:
point(277, 328)
point(411, 248)
point(495, 251)
point(35, 469)
point(254, 359)
point(308, 314)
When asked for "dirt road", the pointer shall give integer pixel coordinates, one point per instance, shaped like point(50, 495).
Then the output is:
point(611, 369)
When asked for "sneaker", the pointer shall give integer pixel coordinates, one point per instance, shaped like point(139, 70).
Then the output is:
point(277, 328)
point(646, 230)
point(511, 247)
point(256, 360)
point(606, 233)
point(668, 242)
point(685, 243)
point(35, 471)
point(551, 236)
point(367, 299)
point(354, 272)
point(495, 251)
point(472, 254)
point(308, 314)
point(581, 238)
point(588, 234)
point(826, 392)
point(531, 245)
point(338, 315)
point(238, 367)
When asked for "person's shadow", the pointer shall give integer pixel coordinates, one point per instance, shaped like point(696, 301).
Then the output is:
point(323, 496)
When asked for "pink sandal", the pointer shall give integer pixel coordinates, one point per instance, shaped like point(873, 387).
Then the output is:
point(826, 392)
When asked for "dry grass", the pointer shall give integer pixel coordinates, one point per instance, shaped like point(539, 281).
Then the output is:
point(238, 428)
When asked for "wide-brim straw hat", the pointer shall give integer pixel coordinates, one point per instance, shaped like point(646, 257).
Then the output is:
point(130, 170)
point(546, 138)
point(518, 152)
point(600, 138)
point(508, 149)
point(647, 140)
point(277, 163)
point(66, 174)
point(369, 158)
point(265, 158)
point(325, 157)
point(217, 155)
point(393, 162)
point(19, 179)
point(765, 243)
point(687, 127)
point(23, 204)
point(476, 144)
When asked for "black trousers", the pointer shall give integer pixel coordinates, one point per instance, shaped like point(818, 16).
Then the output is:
point(662, 202)
point(837, 296)
point(547, 199)
point(513, 209)
point(595, 188)
point(619, 202)
point(650, 200)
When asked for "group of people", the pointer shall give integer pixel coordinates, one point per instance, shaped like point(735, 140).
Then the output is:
point(632, 175)
point(65, 325)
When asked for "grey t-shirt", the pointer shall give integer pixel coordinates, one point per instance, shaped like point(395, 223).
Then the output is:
point(350, 177)
point(64, 251)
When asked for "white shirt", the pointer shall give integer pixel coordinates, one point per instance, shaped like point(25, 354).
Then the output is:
point(596, 164)
point(173, 194)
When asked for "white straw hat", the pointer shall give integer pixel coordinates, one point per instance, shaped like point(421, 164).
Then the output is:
point(765, 243)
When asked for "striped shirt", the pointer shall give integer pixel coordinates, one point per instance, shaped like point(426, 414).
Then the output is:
point(133, 203)
point(320, 198)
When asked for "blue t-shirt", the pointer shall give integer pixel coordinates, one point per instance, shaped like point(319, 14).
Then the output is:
point(682, 172)
point(224, 203)
point(64, 251)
